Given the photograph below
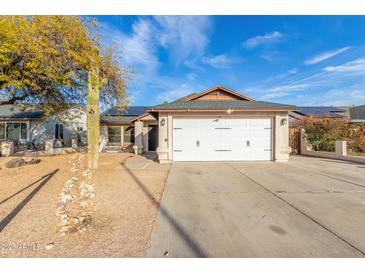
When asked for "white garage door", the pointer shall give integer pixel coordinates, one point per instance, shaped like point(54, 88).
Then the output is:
point(222, 139)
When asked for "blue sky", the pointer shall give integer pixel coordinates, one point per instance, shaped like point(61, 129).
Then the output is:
point(301, 60)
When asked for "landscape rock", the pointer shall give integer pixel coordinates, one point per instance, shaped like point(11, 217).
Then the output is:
point(19, 162)
point(57, 144)
point(33, 161)
point(49, 245)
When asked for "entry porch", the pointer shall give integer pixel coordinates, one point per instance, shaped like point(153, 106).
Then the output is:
point(138, 136)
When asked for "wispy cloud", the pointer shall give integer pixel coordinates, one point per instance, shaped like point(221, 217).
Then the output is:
point(353, 67)
point(325, 55)
point(137, 49)
point(289, 87)
point(293, 71)
point(174, 90)
point(221, 61)
point(183, 36)
point(271, 55)
point(354, 95)
point(267, 38)
point(281, 76)
point(174, 93)
point(272, 95)
point(191, 76)
point(283, 90)
point(318, 88)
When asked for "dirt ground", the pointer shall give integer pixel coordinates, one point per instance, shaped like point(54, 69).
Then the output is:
point(128, 191)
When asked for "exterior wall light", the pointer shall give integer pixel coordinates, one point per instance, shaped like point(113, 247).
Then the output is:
point(162, 123)
point(284, 121)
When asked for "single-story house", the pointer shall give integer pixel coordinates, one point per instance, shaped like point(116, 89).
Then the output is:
point(27, 125)
point(357, 114)
point(217, 124)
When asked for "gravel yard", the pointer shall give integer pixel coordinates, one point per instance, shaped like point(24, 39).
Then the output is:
point(128, 191)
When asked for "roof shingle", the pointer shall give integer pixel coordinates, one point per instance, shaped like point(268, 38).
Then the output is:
point(19, 112)
point(130, 111)
point(222, 105)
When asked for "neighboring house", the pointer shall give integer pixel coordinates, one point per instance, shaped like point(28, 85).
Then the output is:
point(357, 114)
point(218, 124)
point(318, 111)
point(26, 125)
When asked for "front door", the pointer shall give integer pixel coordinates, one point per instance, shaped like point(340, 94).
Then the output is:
point(115, 134)
point(152, 137)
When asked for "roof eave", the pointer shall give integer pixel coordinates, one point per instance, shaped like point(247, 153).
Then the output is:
point(221, 110)
point(18, 119)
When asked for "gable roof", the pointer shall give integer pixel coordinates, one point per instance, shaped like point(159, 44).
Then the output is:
point(195, 96)
point(222, 105)
point(357, 113)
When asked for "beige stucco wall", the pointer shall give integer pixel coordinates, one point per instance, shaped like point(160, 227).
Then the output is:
point(280, 134)
point(164, 130)
point(281, 137)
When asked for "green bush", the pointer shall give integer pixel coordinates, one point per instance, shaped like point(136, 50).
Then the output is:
point(323, 133)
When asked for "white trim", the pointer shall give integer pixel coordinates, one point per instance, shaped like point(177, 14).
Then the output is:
point(28, 131)
point(27, 122)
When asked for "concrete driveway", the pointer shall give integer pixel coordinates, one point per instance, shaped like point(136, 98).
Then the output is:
point(307, 207)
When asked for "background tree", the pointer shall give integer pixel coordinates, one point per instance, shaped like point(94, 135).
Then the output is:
point(57, 61)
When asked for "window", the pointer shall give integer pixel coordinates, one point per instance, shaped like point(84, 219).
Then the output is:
point(58, 131)
point(128, 135)
point(16, 131)
point(2, 131)
point(114, 134)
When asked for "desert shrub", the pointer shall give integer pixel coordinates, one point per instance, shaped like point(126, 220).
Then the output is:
point(323, 133)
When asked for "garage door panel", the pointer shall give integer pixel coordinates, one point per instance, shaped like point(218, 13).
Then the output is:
point(183, 141)
point(212, 139)
point(260, 133)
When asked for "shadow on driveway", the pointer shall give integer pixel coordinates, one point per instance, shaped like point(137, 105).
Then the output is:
point(179, 229)
point(4, 222)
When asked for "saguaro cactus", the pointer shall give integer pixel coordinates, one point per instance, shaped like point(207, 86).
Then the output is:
point(93, 117)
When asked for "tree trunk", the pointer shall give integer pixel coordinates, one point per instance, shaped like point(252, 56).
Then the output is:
point(93, 118)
